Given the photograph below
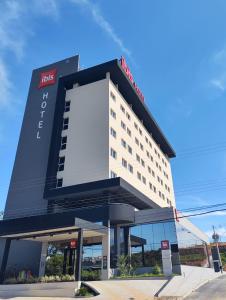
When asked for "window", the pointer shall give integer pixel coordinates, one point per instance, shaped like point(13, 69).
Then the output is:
point(113, 153)
point(157, 165)
point(160, 194)
point(67, 106)
point(150, 186)
point(139, 175)
point(130, 168)
point(142, 162)
point(128, 116)
point(144, 179)
point(163, 196)
point(61, 163)
point(63, 142)
point(138, 157)
point(152, 158)
point(155, 151)
point(113, 174)
point(160, 169)
point(148, 154)
point(149, 169)
point(158, 179)
point(150, 145)
point(140, 131)
point(128, 131)
point(154, 188)
point(65, 123)
point(123, 142)
point(135, 125)
point(122, 108)
point(59, 182)
point(130, 149)
point(161, 182)
point(153, 173)
point(123, 125)
point(113, 132)
point(141, 147)
point(124, 163)
point(146, 140)
point(113, 114)
point(158, 155)
point(136, 141)
point(113, 96)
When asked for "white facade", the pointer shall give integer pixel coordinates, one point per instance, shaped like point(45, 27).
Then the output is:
point(106, 139)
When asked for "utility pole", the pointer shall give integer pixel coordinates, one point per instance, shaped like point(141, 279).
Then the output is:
point(215, 238)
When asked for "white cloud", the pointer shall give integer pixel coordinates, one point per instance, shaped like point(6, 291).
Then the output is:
point(5, 85)
point(103, 24)
point(15, 30)
point(45, 8)
point(216, 213)
point(218, 61)
point(219, 84)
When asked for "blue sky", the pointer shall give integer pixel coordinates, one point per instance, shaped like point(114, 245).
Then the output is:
point(177, 53)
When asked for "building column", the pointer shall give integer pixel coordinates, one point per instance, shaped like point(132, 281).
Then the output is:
point(127, 242)
point(143, 257)
point(65, 261)
point(78, 261)
point(105, 267)
point(116, 245)
point(42, 264)
point(71, 261)
point(207, 254)
point(5, 259)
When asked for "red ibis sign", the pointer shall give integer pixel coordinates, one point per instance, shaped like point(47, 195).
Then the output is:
point(47, 78)
point(165, 245)
point(130, 76)
point(73, 244)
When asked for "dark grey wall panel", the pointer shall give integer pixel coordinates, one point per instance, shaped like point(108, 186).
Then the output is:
point(25, 196)
point(28, 177)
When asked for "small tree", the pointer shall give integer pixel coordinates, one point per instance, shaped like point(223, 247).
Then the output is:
point(125, 267)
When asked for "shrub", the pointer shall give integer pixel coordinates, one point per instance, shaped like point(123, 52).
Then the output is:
point(156, 270)
point(90, 275)
point(10, 281)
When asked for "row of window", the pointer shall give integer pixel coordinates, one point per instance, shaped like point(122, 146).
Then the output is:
point(113, 154)
point(138, 128)
point(123, 125)
point(63, 145)
point(143, 179)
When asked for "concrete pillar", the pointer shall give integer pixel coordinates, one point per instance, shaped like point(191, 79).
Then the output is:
point(65, 261)
point(5, 260)
point(117, 250)
point(207, 254)
point(127, 243)
point(42, 264)
point(78, 260)
point(105, 268)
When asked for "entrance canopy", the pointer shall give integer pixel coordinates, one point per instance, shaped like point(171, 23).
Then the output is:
point(51, 227)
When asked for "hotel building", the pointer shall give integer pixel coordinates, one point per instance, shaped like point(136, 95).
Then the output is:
point(92, 165)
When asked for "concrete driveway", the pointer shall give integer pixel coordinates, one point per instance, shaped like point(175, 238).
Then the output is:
point(214, 290)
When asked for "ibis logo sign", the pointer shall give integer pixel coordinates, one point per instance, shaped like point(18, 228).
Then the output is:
point(47, 78)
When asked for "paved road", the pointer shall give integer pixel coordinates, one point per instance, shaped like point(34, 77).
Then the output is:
point(213, 290)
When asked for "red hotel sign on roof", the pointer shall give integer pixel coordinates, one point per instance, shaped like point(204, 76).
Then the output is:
point(130, 76)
